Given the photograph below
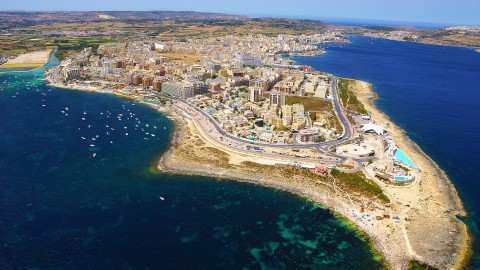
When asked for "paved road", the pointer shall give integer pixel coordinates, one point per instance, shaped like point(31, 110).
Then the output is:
point(207, 129)
point(338, 111)
point(320, 147)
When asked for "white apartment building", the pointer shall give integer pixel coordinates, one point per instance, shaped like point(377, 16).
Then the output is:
point(256, 94)
point(178, 89)
point(277, 98)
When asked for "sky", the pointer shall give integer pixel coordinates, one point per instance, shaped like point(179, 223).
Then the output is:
point(440, 12)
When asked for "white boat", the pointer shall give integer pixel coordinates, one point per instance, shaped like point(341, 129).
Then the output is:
point(94, 154)
point(161, 198)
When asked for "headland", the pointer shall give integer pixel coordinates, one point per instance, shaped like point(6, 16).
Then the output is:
point(426, 207)
point(305, 132)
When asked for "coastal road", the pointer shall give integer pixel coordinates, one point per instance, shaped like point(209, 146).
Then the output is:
point(209, 124)
point(213, 135)
point(337, 108)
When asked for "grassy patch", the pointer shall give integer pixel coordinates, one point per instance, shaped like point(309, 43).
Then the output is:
point(286, 171)
point(181, 57)
point(357, 182)
point(416, 265)
point(217, 154)
point(345, 166)
point(28, 65)
point(81, 43)
point(66, 45)
point(349, 100)
point(329, 118)
point(310, 103)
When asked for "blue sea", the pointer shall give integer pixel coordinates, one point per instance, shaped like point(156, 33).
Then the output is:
point(432, 92)
point(78, 190)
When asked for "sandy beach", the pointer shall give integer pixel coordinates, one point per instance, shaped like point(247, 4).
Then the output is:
point(427, 231)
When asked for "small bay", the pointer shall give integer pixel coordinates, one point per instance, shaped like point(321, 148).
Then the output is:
point(77, 192)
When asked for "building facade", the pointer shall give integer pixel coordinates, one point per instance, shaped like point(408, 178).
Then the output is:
point(256, 94)
point(277, 98)
point(178, 89)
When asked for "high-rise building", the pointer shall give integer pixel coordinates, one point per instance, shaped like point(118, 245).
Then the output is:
point(247, 59)
point(277, 98)
point(200, 87)
point(157, 84)
point(178, 89)
point(147, 82)
point(137, 79)
point(256, 94)
point(71, 74)
point(264, 84)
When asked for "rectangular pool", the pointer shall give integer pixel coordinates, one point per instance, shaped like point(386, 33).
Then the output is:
point(402, 178)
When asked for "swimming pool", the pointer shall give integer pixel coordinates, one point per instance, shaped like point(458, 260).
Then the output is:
point(400, 156)
point(402, 178)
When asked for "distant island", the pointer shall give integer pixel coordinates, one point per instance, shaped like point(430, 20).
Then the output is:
point(245, 111)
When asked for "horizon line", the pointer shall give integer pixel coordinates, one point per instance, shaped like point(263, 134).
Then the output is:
point(331, 20)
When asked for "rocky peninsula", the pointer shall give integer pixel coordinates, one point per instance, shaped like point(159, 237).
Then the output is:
point(429, 230)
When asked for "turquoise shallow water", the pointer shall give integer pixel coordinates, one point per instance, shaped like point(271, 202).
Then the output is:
point(432, 93)
point(61, 208)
